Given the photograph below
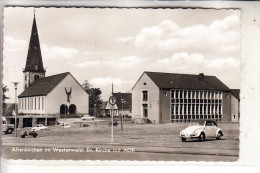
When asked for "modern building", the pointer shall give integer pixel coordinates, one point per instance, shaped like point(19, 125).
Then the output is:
point(170, 97)
point(45, 99)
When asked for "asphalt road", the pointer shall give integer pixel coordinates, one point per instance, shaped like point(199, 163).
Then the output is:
point(132, 156)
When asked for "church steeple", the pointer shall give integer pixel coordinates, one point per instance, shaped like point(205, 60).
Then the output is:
point(34, 66)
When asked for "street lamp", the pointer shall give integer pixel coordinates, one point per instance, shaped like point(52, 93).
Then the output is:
point(95, 110)
point(15, 119)
point(122, 101)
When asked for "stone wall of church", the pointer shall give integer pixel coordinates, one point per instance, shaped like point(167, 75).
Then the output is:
point(58, 97)
point(29, 77)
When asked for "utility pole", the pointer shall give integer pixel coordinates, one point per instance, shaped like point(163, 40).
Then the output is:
point(15, 119)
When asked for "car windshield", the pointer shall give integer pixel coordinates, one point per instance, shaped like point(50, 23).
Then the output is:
point(196, 123)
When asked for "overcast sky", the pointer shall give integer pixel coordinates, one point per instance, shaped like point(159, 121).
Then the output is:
point(106, 46)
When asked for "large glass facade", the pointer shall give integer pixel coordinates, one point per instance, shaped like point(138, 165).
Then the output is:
point(196, 104)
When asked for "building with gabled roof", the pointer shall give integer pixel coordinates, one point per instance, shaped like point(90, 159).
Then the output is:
point(124, 103)
point(45, 99)
point(170, 97)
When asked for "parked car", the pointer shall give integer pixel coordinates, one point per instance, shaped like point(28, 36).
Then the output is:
point(202, 130)
point(87, 117)
point(7, 128)
point(39, 127)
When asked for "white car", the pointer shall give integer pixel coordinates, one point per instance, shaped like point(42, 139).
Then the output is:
point(39, 127)
point(87, 117)
point(201, 130)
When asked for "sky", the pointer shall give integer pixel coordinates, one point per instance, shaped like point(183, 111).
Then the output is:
point(106, 46)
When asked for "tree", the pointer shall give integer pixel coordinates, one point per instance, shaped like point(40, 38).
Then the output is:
point(5, 89)
point(95, 101)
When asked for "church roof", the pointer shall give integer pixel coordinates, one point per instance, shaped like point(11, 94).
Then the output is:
point(186, 81)
point(43, 86)
point(34, 56)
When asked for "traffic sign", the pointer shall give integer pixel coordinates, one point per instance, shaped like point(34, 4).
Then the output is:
point(112, 100)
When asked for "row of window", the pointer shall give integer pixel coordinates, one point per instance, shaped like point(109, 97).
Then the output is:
point(194, 117)
point(32, 103)
point(208, 101)
point(189, 104)
point(194, 109)
point(191, 94)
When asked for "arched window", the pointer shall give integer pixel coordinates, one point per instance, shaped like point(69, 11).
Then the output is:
point(63, 109)
point(72, 109)
point(36, 77)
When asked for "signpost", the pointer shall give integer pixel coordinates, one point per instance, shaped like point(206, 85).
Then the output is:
point(112, 102)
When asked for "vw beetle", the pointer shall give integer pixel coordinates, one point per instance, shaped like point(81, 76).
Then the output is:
point(201, 130)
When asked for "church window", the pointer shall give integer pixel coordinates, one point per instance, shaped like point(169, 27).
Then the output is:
point(35, 103)
point(39, 104)
point(27, 103)
point(36, 77)
point(31, 103)
point(25, 77)
point(42, 103)
point(24, 103)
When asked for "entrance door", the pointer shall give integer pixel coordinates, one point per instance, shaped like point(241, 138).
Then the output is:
point(63, 109)
point(145, 110)
point(27, 122)
point(72, 109)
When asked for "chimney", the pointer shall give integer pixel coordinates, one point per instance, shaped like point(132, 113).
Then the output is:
point(201, 76)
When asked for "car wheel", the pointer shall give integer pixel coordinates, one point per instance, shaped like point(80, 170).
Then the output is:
point(34, 136)
point(219, 136)
point(183, 139)
point(202, 137)
point(9, 131)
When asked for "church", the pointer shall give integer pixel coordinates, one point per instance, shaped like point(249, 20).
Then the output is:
point(45, 99)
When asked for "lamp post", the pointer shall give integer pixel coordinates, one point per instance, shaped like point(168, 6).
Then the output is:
point(15, 119)
point(95, 110)
point(122, 101)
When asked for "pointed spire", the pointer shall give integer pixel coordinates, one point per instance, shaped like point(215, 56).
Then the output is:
point(34, 56)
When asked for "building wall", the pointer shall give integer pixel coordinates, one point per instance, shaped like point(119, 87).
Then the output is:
point(165, 107)
point(226, 107)
point(153, 98)
point(58, 96)
point(234, 109)
point(32, 105)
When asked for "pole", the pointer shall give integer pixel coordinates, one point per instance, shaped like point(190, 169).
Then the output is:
point(112, 134)
point(123, 110)
point(122, 123)
point(65, 112)
point(15, 121)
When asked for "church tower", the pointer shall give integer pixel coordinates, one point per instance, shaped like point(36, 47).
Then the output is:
point(34, 65)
